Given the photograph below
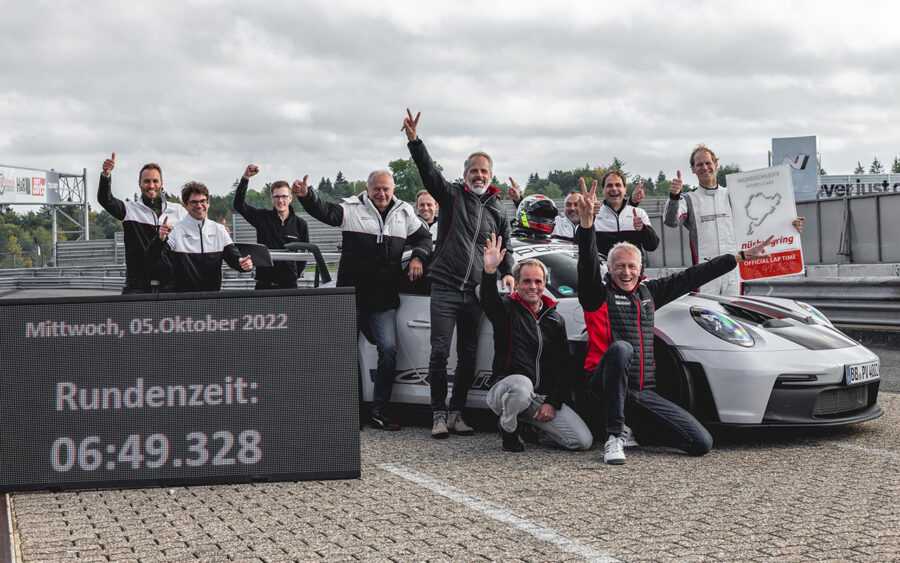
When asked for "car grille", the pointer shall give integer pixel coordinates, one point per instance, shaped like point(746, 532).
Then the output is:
point(837, 401)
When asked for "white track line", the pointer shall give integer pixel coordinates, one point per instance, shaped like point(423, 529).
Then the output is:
point(874, 451)
point(500, 514)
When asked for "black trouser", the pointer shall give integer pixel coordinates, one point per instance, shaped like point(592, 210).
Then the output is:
point(451, 307)
point(608, 385)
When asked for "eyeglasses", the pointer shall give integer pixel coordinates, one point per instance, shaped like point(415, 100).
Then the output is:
point(281, 197)
point(198, 201)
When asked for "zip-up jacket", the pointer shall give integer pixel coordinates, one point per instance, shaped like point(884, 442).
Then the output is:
point(465, 222)
point(527, 343)
point(706, 214)
point(196, 252)
point(272, 232)
point(371, 260)
point(613, 227)
point(614, 314)
point(140, 226)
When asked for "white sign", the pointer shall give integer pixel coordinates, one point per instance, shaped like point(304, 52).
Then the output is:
point(24, 185)
point(762, 205)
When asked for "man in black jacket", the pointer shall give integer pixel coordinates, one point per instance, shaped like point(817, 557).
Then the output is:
point(470, 212)
point(140, 223)
point(618, 312)
point(375, 227)
point(274, 228)
point(529, 382)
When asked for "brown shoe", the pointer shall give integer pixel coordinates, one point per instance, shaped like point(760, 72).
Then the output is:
point(439, 425)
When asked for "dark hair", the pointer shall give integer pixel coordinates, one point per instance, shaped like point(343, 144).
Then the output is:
point(279, 184)
point(193, 188)
point(613, 173)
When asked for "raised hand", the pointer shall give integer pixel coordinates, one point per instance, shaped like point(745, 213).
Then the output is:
point(798, 224)
point(638, 222)
point(513, 191)
point(675, 185)
point(246, 263)
point(164, 229)
point(109, 164)
point(300, 188)
point(493, 253)
point(586, 204)
point(252, 170)
point(225, 224)
point(638, 194)
point(410, 124)
point(759, 250)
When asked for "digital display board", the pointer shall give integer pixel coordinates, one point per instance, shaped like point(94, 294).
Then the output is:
point(178, 389)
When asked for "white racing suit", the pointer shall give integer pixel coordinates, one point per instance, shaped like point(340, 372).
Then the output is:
point(706, 214)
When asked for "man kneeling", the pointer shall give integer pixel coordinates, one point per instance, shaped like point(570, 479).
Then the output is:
point(530, 353)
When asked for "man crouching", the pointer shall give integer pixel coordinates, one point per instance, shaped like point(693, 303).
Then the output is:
point(530, 348)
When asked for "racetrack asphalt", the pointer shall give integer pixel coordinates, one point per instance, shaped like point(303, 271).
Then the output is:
point(762, 495)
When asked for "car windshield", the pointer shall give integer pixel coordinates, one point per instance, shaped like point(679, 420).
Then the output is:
point(562, 273)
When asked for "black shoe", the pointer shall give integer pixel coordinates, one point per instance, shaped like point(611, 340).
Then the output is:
point(382, 421)
point(529, 434)
point(511, 442)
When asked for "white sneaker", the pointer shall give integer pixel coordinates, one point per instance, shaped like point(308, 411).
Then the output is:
point(629, 437)
point(614, 450)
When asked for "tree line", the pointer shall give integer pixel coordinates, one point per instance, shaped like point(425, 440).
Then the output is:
point(25, 239)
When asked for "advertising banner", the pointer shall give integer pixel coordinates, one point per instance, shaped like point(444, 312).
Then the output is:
point(26, 185)
point(762, 203)
point(799, 153)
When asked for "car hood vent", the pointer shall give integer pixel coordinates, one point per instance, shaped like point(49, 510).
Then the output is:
point(789, 326)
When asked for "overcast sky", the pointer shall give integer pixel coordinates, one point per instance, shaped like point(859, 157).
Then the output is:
point(315, 87)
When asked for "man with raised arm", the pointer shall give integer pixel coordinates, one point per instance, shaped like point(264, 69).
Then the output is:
point(275, 228)
point(617, 221)
point(375, 226)
point(140, 224)
point(706, 214)
point(529, 381)
point(619, 312)
point(196, 246)
point(470, 212)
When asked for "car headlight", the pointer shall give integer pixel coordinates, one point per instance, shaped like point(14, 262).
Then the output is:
point(817, 314)
point(722, 325)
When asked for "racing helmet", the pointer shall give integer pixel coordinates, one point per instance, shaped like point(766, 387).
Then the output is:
point(537, 213)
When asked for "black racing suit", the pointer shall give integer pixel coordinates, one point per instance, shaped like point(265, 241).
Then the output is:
point(140, 223)
point(274, 233)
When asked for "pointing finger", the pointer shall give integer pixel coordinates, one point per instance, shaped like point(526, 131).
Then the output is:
point(679, 175)
point(166, 220)
point(113, 157)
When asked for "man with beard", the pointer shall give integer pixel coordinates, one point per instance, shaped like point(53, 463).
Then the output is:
point(471, 211)
point(140, 222)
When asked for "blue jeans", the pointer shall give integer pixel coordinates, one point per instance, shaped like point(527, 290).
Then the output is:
point(381, 326)
point(460, 309)
point(645, 408)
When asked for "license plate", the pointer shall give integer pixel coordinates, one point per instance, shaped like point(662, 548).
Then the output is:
point(861, 373)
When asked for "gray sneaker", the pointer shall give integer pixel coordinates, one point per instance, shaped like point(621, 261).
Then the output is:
point(439, 425)
point(457, 425)
point(629, 437)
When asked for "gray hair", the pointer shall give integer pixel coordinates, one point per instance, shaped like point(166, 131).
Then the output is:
point(528, 262)
point(624, 246)
point(483, 154)
point(376, 173)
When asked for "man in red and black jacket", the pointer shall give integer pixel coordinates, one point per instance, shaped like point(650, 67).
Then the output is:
point(529, 383)
point(618, 311)
point(470, 212)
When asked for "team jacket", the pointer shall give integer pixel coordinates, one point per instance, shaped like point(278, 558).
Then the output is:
point(196, 252)
point(141, 226)
point(372, 247)
point(612, 227)
point(533, 345)
point(706, 214)
point(272, 232)
point(465, 222)
point(613, 314)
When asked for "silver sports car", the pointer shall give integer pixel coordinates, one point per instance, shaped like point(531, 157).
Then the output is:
point(736, 361)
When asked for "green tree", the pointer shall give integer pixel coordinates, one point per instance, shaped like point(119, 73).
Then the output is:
point(407, 180)
point(729, 168)
point(895, 167)
point(876, 167)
